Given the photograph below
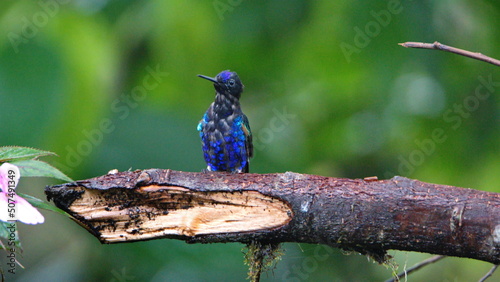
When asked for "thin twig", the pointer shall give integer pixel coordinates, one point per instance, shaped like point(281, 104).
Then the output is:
point(416, 267)
point(438, 46)
point(492, 270)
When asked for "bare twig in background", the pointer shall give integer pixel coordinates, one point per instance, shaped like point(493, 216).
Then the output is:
point(417, 267)
point(492, 270)
point(438, 46)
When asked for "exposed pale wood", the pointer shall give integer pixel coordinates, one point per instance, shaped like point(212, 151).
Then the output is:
point(154, 211)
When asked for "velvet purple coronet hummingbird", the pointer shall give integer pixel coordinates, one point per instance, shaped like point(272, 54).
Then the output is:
point(224, 129)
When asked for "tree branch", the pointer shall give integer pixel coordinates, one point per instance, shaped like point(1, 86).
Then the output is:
point(368, 216)
point(438, 46)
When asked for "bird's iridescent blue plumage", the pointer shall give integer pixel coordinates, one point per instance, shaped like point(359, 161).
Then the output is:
point(224, 129)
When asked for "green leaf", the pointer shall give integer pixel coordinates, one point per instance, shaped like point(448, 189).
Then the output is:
point(13, 153)
point(6, 231)
point(37, 203)
point(32, 168)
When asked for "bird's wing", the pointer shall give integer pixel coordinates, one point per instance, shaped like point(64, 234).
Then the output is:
point(248, 134)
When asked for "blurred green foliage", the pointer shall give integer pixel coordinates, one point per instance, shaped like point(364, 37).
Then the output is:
point(112, 84)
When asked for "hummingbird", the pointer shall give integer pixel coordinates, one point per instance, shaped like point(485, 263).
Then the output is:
point(224, 130)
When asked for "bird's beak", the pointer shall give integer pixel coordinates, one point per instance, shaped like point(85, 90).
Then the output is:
point(208, 78)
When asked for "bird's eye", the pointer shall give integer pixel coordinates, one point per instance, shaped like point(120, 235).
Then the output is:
point(231, 82)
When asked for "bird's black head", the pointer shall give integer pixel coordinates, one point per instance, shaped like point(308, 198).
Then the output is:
point(226, 82)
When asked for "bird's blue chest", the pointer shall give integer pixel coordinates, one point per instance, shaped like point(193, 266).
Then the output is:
point(223, 141)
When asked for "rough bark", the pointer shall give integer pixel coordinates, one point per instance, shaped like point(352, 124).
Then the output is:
point(369, 216)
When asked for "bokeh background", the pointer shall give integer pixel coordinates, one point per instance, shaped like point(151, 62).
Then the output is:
point(112, 84)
